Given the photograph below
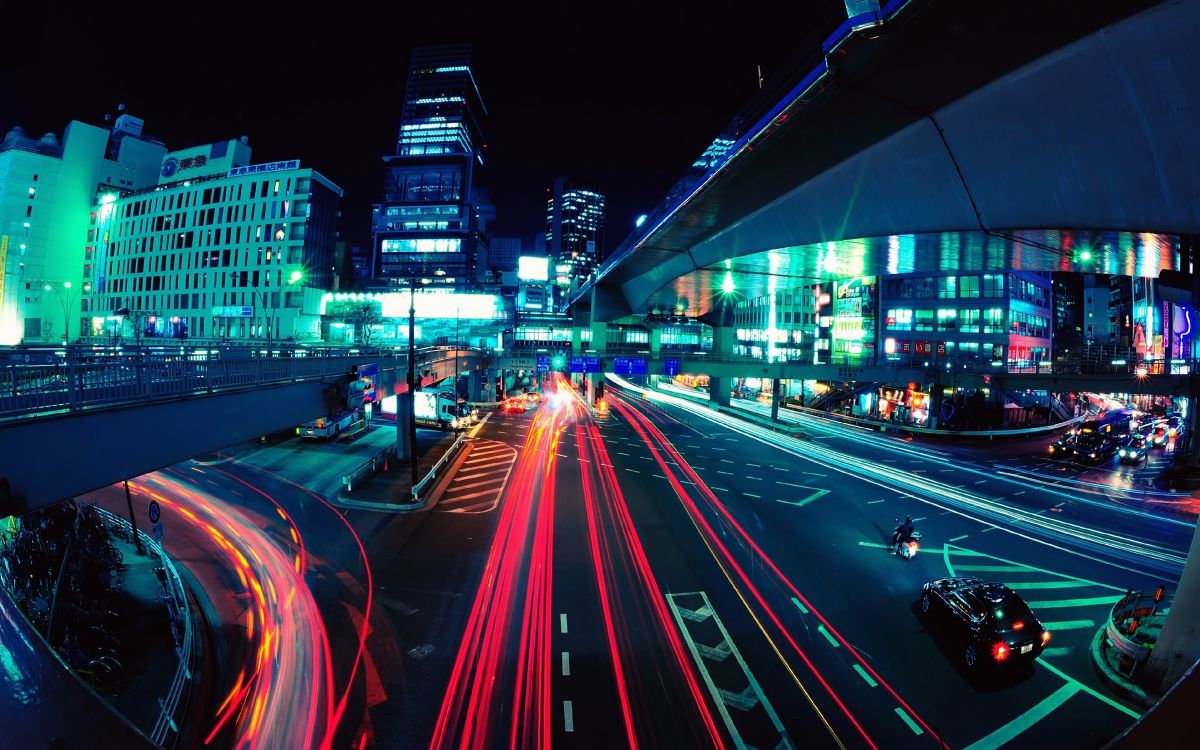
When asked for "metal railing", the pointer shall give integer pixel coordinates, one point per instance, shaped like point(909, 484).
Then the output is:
point(433, 471)
point(1127, 622)
point(87, 379)
point(368, 467)
point(184, 643)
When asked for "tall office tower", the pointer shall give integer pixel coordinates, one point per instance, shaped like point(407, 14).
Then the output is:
point(503, 253)
point(574, 231)
point(429, 224)
point(220, 249)
point(47, 190)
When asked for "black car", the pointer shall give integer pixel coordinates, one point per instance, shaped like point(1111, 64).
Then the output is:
point(1134, 449)
point(1095, 448)
point(1061, 448)
point(993, 624)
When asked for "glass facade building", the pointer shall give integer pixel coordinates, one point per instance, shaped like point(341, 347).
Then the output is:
point(219, 249)
point(428, 224)
point(574, 231)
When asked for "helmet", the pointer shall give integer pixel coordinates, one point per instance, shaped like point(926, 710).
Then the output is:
point(908, 519)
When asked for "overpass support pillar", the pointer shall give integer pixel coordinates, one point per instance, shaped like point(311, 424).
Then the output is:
point(404, 415)
point(718, 391)
point(1178, 645)
point(599, 340)
point(724, 339)
point(475, 385)
point(591, 380)
point(656, 343)
point(776, 397)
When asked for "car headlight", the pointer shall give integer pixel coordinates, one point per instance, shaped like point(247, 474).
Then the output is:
point(1052, 449)
point(1091, 455)
point(1122, 453)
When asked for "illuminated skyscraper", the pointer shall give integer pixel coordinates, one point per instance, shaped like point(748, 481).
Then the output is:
point(574, 231)
point(429, 224)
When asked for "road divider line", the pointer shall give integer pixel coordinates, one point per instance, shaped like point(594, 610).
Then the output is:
point(866, 677)
point(832, 641)
point(756, 497)
point(568, 717)
point(800, 605)
point(875, 502)
point(1014, 728)
point(957, 538)
point(993, 568)
point(562, 623)
point(908, 720)
point(1097, 695)
point(635, 471)
point(566, 663)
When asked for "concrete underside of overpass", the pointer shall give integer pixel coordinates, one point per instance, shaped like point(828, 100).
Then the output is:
point(50, 458)
point(873, 170)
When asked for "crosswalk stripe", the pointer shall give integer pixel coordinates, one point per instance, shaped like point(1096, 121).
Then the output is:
point(468, 477)
point(992, 568)
point(1068, 625)
point(1060, 603)
point(456, 486)
point(1030, 585)
point(471, 507)
point(1056, 651)
point(469, 496)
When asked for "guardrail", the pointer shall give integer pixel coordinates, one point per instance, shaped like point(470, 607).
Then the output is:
point(1134, 624)
point(184, 644)
point(433, 472)
point(369, 467)
point(89, 381)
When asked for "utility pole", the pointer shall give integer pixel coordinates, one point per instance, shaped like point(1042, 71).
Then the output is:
point(412, 377)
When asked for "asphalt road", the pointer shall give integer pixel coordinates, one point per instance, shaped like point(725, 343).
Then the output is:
point(651, 577)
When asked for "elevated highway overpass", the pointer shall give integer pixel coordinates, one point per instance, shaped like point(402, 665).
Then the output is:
point(70, 427)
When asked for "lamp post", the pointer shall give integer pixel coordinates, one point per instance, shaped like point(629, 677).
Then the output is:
point(66, 302)
point(295, 277)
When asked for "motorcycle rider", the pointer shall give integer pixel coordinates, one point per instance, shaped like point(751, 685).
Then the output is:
point(903, 533)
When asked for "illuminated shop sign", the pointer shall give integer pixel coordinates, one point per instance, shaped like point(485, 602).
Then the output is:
point(275, 166)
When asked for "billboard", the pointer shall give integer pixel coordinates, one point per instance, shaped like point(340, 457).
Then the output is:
point(369, 374)
point(533, 268)
point(425, 408)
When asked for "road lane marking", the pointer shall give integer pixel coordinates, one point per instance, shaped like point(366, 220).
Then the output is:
point(789, 484)
point(832, 641)
point(945, 471)
point(816, 495)
point(568, 717)
point(717, 449)
point(866, 677)
point(720, 489)
point(619, 453)
point(1022, 492)
point(919, 518)
point(1056, 651)
point(635, 471)
point(908, 720)
point(982, 481)
point(800, 605)
point(1014, 728)
point(814, 473)
point(660, 476)
point(726, 473)
point(562, 622)
point(757, 466)
point(757, 479)
point(1048, 585)
point(727, 461)
point(875, 502)
point(566, 663)
point(756, 497)
point(1097, 695)
point(1093, 601)
point(993, 568)
point(957, 538)
point(989, 528)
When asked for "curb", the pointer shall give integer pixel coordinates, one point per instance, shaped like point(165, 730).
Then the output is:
point(1118, 683)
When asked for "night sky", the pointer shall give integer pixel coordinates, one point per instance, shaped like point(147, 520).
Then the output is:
point(624, 100)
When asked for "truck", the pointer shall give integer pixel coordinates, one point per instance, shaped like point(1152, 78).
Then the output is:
point(324, 428)
point(437, 410)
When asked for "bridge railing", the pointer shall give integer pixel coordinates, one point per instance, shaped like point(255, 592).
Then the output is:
point(90, 379)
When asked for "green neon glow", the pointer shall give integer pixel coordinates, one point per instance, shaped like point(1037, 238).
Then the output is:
point(866, 677)
point(832, 641)
point(1094, 601)
point(1014, 728)
point(907, 720)
point(1100, 696)
point(727, 285)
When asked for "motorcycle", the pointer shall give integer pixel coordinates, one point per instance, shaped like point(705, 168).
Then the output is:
point(909, 547)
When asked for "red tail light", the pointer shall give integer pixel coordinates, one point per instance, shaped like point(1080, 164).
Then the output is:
point(1018, 625)
point(1000, 652)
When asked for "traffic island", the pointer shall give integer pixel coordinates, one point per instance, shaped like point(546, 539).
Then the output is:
point(1120, 649)
point(384, 482)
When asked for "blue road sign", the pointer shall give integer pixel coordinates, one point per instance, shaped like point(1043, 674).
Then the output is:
point(585, 364)
point(629, 366)
point(543, 363)
point(670, 367)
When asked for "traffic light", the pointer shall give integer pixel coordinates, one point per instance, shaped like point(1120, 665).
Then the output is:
point(559, 361)
point(356, 395)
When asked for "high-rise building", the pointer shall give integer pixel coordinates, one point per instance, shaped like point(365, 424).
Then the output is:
point(47, 190)
point(429, 224)
point(503, 253)
point(1096, 324)
point(574, 231)
point(220, 248)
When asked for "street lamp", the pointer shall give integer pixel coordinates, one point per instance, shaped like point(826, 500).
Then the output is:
point(66, 302)
point(295, 277)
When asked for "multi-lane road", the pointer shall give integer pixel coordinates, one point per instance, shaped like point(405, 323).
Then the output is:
point(655, 574)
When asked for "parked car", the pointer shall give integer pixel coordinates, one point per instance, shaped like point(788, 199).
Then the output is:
point(989, 622)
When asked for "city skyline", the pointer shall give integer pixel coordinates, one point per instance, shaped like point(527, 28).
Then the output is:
point(632, 121)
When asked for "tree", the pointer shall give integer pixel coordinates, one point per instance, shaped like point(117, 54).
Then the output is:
point(366, 316)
